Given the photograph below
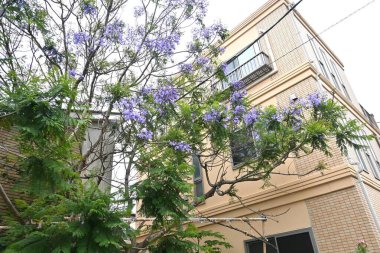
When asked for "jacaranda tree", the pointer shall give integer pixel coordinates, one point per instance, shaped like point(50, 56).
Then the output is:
point(143, 71)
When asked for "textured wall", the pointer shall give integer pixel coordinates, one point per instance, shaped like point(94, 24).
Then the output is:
point(339, 219)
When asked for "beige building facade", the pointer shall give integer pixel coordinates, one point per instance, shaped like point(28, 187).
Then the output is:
point(319, 212)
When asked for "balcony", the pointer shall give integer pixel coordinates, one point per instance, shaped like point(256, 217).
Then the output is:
point(247, 72)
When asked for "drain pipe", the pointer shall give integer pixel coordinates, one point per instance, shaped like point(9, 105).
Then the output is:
point(365, 192)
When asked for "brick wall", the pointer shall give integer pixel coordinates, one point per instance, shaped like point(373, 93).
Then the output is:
point(374, 196)
point(284, 40)
point(8, 171)
point(308, 163)
point(339, 219)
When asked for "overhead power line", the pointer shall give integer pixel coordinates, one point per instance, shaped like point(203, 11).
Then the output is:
point(326, 29)
point(293, 6)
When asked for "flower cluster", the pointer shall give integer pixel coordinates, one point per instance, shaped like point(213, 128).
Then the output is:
point(209, 32)
point(114, 32)
point(180, 146)
point(145, 134)
point(166, 95)
point(213, 116)
point(72, 73)
point(138, 11)
point(88, 9)
point(80, 38)
point(131, 110)
point(164, 45)
point(316, 99)
point(251, 116)
point(186, 68)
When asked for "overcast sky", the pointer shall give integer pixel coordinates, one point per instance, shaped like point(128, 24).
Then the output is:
point(356, 41)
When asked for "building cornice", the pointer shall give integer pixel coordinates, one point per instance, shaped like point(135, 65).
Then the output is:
point(311, 30)
point(253, 19)
point(298, 74)
point(333, 179)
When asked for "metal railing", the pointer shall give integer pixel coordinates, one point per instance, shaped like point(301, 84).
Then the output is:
point(247, 72)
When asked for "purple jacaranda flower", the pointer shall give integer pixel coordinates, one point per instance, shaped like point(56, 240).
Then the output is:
point(163, 44)
point(145, 134)
point(239, 110)
point(186, 68)
point(223, 67)
point(72, 73)
point(180, 146)
point(251, 117)
point(278, 116)
point(80, 38)
point(212, 116)
point(201, 61)
point(146, 91)
point(237, 97)
point(315, 99)
point(237, 85)
point(114, 32)
point(207, 33)
point(194, 48)
point(131, 110)
point(138, 11)
point(89, 9)
point(165, 95)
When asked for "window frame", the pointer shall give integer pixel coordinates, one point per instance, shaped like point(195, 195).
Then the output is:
point(235, 58)
point(294, 232)
point(237, 165)
point(199, 179)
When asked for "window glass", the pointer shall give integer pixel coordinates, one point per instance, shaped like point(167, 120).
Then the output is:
point(361, 160)
point(198, 182)
point(242, 146)
point(248, 54)
point(297, 243)
point(323, 69)
point(257, 246)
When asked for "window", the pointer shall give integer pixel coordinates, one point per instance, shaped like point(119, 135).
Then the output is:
point(370, 162)
point(324, 59)
point(290, 243)
point(346, 92)
point(322, 66)
point(247, 54)
point(198, 182)
point(335, 81)
point(361, 160)
point(242, 146)
point(340, 79)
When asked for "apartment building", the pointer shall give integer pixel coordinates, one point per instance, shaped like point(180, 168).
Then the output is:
point(321, 212)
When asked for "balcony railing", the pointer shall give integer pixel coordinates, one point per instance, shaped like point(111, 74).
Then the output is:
point(247, 72)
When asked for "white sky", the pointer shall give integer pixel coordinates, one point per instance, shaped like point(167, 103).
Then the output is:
point(356, 41)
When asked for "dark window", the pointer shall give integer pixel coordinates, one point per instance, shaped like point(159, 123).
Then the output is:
point(257, 246)
point(242, 146)
point(198, 182)
point(295, 243)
